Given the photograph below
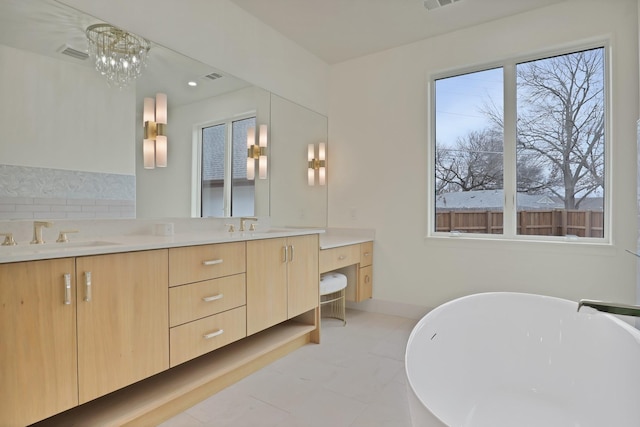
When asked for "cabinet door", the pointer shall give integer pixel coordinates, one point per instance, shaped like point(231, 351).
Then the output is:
point(304, 279)
point(266, 283)
point(38, 376)
point(365, 284)
point(123, 325)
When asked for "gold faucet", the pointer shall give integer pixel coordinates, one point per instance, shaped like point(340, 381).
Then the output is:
point(244, 219)
point(37, 231)
point(8, 239)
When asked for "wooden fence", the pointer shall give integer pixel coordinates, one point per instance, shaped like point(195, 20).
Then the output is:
point(556, 222)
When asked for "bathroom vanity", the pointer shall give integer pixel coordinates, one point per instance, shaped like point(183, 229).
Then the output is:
point(349, 252)
point(134, 330)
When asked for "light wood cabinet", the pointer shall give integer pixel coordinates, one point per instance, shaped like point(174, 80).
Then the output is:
point(303, 278)
point(197, 300)
point(196, 263)
point(38, 375)
point(75, 332)
point(204, 335)
point(207, 298)
point(266, 283)
point(123, 320)
point(364, 289)
point(342, 256)
point(356, 261)
point(282, 280)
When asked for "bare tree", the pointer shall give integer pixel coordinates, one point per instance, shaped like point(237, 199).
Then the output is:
point(475, 163)
point(561, 122)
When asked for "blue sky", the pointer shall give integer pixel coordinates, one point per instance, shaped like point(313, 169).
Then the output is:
point(459, 100)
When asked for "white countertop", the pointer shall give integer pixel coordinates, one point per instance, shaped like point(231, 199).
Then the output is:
point(129, 243)
point(336, 237)
point(96, 237)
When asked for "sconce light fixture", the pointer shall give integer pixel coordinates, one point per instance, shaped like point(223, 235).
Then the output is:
point(257, 152)
point(317, 164)
point(154, 145)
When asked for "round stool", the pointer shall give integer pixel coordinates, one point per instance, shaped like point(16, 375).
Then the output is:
point(332, 286)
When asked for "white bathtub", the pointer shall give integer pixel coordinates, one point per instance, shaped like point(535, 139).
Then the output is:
point(521, 360)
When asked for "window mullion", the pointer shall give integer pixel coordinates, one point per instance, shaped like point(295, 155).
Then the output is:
point(228, 154)
point(510, 131)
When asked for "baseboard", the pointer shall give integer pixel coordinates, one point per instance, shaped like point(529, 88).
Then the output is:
point(392, 308)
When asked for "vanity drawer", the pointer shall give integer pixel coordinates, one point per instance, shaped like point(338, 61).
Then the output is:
point(196, 263)
point(331, 259)
point(366, 254)
point(196, 338)
point(202, 299)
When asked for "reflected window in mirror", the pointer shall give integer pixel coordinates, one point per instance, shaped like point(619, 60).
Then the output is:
point(225, 189)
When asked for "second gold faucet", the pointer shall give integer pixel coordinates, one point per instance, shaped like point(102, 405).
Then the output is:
point(244, 219)
point(37, 231)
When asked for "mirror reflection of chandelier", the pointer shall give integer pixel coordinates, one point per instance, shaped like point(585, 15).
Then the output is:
point(118, 55)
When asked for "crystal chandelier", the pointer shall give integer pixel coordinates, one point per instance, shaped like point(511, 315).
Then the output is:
point(118, 55)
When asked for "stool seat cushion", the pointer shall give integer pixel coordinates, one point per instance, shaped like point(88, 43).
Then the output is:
point(332, 282)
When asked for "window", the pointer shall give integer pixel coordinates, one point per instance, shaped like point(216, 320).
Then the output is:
point(225, 190)
point(520, 149)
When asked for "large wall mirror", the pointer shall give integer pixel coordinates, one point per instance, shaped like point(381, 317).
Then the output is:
point(72, 145)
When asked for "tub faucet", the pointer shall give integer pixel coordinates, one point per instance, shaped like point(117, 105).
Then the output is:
point(611, 307)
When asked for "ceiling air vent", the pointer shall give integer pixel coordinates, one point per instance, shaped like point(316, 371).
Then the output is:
point(74, 53)
point(434, 4)
point(213, 76)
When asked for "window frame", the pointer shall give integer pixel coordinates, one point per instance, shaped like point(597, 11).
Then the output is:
point(509, 146)
point(196, 179)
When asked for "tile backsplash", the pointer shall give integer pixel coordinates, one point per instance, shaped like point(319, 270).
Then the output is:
point(44, 193)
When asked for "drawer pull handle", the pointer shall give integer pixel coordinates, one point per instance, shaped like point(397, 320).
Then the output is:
point(213, 298)
point(341, 257)
point(87, 286)
point(67, 289)
point(367, 279)
point(292, 249)
point(366, 254)
point(212, 262)
point(213, 334)
point(286, 253)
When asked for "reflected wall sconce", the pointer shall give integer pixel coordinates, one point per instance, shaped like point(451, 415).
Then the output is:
point(154, 145)
point(257, 152)
point(317, 164)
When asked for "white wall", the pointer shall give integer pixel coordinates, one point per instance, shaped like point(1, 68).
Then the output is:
point(167, 192)
point(378, 137)
point(293, 202)
point(219, 33)
point(55, 114)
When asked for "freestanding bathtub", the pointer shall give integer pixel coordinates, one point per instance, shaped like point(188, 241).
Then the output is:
point(521, 360)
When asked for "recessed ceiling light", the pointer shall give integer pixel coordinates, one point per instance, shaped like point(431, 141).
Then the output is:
point(193, 84)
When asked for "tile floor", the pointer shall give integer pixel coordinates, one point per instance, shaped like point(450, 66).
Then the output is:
point(354, 378)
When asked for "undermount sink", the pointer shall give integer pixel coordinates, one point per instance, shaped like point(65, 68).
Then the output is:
point(53, 247)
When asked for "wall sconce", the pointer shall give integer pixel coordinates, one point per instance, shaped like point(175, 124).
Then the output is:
point(154, 145)
point(317, 164)
point(257, 152)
